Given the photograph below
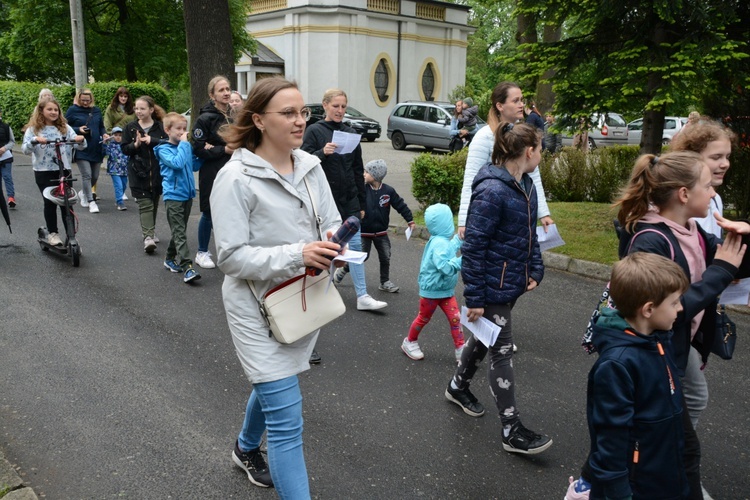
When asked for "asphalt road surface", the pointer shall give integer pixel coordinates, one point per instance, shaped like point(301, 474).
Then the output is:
point(119, 381)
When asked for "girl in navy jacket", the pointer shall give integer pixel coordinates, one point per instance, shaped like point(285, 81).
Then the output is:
point(501, 261)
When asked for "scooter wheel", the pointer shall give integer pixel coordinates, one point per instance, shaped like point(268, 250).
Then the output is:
point(44, 247)
point(75, 252)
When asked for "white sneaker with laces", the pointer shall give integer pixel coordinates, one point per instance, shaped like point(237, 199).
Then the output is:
point(93, 207)
point(367, 303)
point(124, 197)
point(203, 259)
point(54, 239)
point(412, 349)
point(82, 197)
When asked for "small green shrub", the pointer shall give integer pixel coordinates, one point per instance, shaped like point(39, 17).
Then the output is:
point(17, 99)
point(438, 178)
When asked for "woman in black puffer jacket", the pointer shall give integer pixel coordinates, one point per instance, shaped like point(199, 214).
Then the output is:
point(211, 148)
point(139, 139)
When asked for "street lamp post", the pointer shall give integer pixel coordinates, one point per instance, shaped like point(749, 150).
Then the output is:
point(79, 44)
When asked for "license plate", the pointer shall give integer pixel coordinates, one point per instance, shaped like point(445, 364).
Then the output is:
point(372, 131)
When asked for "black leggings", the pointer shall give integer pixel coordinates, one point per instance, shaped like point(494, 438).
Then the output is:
point(45, 179)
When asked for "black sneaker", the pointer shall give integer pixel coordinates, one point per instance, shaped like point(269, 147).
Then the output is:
point(253, 463)
point(315, 358)
point(466, 400)
point(522, 440)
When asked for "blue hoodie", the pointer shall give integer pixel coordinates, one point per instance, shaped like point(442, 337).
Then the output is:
point(438, 273)
point(634, 410)
point(177, 167)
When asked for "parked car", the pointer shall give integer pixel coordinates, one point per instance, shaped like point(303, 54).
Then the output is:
point(606, 129)
point(672, 125)
point(367, 127)
point(422, 123)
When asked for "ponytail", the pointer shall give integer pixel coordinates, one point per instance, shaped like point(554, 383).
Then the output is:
point(512, 140)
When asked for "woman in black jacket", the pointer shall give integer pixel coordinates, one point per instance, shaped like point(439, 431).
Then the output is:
point(211, 148)
point(139, 139)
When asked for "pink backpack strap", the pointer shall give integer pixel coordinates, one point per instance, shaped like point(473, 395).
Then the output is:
point(632, 240)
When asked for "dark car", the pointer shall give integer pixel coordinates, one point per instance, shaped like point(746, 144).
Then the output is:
point(368, 128)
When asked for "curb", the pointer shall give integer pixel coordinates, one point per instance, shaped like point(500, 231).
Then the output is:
point(11, 482)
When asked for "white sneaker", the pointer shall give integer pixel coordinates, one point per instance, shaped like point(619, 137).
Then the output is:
point(412, 349)
point(124, 197)
point(367, 303)
point(82, 197)
point(93, 207)
point(203, 259)
point(149, 245)
point(515, 348)
point(156, 238)
point(54, 239)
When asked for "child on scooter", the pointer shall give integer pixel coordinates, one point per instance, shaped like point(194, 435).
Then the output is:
point(47, 125)
point(178, 184)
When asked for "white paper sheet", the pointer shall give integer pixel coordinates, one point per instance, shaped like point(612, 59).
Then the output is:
point(345, 142)
point(6, 155)
point(352, 256)
point(407, 232)
point(736, 293)
point(550, 239)
point(483, 329)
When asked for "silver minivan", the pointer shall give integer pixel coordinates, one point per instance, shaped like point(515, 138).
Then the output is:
point(422, 123)
point(607, 129)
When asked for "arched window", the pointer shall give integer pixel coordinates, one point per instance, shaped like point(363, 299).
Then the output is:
point(428, 83)
point(381, 80)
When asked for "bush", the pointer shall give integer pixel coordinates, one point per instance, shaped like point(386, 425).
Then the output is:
point(574, 176)
point(438, 178)
point(17, 99)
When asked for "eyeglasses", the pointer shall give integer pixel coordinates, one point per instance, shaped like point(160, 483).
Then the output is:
point(291, 114)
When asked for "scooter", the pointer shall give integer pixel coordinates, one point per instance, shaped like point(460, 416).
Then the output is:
point(63, 194)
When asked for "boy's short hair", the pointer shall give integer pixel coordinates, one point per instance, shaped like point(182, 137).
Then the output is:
point(171, 119)
point(644, 277)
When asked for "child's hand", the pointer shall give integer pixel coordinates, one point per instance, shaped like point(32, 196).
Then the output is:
point(474, 313)
point(532, 284)
point(106, 137)
point(739, 227)
point(208, 146)
point(146, 138)
point(184, 136)
point(137, 142)
point(40, 139)
point(79, 139)
point(732, 250)
point(461, 231)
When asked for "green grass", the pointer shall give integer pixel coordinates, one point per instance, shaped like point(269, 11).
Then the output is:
point(586, 228)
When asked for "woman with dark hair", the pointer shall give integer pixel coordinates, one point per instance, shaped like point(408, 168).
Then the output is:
point(267, 232)
point(120, 111)
point(86, 120)
point(507, 106)
point(209, 145)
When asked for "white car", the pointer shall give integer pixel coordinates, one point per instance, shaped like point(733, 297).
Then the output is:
point(672, 125)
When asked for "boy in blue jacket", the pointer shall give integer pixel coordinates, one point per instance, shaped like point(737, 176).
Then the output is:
point(634, 399)
point(178, 184)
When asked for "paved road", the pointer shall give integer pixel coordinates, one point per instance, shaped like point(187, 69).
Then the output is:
point(117, 380)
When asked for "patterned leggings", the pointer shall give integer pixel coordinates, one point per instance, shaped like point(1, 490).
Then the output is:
point(501, 379)
point(427, 309)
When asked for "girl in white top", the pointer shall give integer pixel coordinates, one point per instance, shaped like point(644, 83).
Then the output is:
point(46, 125)
point(507, 106)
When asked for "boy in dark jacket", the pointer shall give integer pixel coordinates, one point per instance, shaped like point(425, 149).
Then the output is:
point(178, 184)
point(634, 398)
point(378, 202)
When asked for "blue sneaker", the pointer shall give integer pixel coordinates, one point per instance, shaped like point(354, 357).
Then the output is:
point(191, 275)
point(172, 266)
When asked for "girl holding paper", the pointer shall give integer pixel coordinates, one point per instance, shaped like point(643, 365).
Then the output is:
point(501, 261)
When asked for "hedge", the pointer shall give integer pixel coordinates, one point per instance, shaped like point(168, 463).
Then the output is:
point(438, 178)
point(17, 99)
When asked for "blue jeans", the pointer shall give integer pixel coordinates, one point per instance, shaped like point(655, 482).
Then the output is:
point(120, 182)
point(358, 270)
point(5, 168)
point(277, 407)
point(204, 231)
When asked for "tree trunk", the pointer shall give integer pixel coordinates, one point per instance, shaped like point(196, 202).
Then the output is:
point(653, 119)
point(526, 33)
point(545, 97)
point(209, 46)
point(125, 20)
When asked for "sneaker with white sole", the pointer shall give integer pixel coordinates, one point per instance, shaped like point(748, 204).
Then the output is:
point(54, 239)
point(253, 463)
point(124, 197)
point(172, 266)
point(466, 400)
point(93, 207)
point(149, 245)
point(412, 349)
point(156, 238)
point(522, 440)
point(388, 286)
point(82, 197)
point(367, 303)
point(338, 276)
point(203, 259)
point(578, 489)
